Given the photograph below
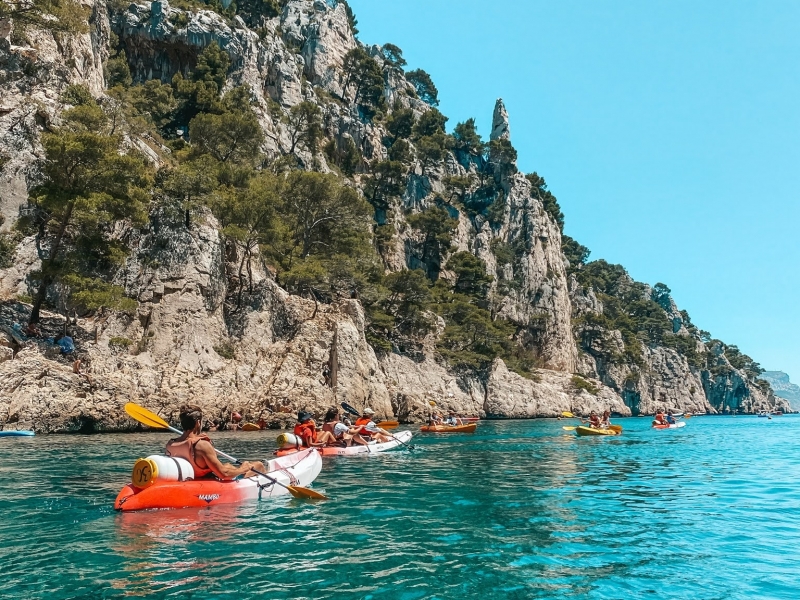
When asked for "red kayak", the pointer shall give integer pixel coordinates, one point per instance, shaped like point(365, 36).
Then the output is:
point(156, 492)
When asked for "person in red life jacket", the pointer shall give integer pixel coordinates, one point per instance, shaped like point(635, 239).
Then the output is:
point(594, 421)
point(306, 430)
point(659, 418)
point(369, 430)
point(196, 447)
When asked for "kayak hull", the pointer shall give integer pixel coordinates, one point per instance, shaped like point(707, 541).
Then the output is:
point(300, 469)
point(16, 433)
point(250, 427)
point(467, 428)
point(677, 425)
point(402, 438)
point(590, 431)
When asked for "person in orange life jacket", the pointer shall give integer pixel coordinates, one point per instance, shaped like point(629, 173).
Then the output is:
point(369, 429)
point(659, 418)
point(306, 430)
point(196, 447)
point(345, 435)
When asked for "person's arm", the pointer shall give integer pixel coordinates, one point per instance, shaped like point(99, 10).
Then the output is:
point(222, 470)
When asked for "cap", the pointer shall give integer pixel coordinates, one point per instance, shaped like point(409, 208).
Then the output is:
point(303, 416)
point(369, 411)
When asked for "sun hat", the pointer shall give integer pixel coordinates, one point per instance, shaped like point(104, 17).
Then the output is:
point(369, 411)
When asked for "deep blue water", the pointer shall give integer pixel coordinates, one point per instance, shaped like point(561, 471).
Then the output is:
point(521, 509)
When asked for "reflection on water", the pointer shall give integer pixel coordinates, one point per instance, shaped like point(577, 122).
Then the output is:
point(517, 510)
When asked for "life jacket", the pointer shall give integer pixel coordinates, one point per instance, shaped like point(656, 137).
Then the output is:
point(362, 422)
point(594, 422)
point(306, 431)
point(660, 418)
point(186, 449)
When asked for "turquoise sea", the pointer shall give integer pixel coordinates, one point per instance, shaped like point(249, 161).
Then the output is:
point(521, 509)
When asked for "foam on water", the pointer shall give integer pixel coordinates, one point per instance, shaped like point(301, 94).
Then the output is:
point(521, 509)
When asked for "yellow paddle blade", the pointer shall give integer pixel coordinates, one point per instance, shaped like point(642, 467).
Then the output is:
point(145, 417)
point(431, 402)
point(301, 492)
point(568, 428)
point(567, 414)
point(617, 428)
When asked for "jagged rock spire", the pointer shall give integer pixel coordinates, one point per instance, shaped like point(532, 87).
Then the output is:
point(500, 128)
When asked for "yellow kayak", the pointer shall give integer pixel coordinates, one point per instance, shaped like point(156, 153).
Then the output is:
point(581, 430)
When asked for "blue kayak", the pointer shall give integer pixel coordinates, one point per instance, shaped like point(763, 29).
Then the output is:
point(13, 433)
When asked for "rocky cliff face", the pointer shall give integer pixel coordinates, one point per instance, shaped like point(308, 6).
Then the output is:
point(187, 342)
point(783, 387)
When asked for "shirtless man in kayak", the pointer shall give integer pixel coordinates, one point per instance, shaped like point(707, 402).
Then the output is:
point(196, 447)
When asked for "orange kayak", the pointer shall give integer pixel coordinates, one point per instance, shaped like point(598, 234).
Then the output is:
point(300, 468)
point(468, 428)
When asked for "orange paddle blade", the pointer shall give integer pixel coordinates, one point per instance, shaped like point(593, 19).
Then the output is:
point(389, 424)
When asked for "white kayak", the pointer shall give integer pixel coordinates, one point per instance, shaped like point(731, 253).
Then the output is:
point(288, 442)
point(677, 425)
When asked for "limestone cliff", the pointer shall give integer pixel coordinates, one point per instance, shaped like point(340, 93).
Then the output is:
point(188, 341)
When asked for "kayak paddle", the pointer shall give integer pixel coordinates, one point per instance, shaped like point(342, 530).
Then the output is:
point(145, 417)
point(567, 414)
point(389, 424)
point(617, 428)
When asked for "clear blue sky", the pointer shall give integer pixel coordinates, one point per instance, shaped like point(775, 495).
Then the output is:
point(668, 131)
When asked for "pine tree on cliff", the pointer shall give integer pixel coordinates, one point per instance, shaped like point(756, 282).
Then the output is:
point(89, 186)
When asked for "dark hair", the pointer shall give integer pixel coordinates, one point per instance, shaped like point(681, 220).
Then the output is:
point(331, 414)
point(190, 415)
point(303, 416)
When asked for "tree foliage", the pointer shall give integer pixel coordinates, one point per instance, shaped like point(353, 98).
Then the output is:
point(89, 185)
point(424, 86)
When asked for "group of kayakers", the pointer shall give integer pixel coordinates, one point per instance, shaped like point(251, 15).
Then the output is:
point(664, 418)
point(452, 419)
point(338, 430)
point(597, 422)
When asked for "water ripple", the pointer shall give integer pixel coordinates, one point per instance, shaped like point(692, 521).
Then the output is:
point(518, 510)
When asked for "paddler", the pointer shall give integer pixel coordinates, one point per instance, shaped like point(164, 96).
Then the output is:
point(670, 417)
point(605, 421)
point(594, 421)
point(306, 430)
point(196, 447)
point(345, 435)
point(659, 418)
point(368, 428)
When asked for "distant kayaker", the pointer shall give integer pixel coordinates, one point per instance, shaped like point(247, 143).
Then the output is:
point(605, 421)
point(451, 419)
point(345, 434)
point(306, 430)
point(659, 418)
point(196, 447)
point(368, 429)
point(594, 421)
point(670, 418)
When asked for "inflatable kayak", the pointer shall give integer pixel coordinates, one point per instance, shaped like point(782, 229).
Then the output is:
point(467, 428)
point(161, 482)
point(586, 431)
point(677, 425)
point(16, 433)
point(289, 441)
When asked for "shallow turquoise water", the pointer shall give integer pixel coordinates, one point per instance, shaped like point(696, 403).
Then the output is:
point(521, 509)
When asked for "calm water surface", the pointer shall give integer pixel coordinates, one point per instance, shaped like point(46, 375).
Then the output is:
point(521, 509)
